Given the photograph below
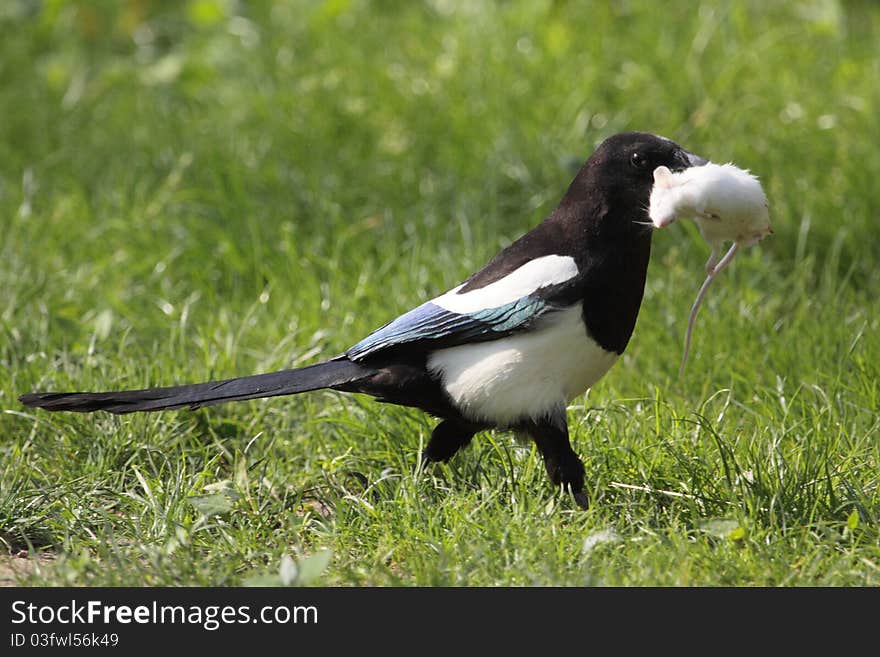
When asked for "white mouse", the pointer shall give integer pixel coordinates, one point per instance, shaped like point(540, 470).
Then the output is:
point(727, 203)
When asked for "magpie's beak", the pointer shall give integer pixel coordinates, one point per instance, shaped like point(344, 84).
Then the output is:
point(685, 160)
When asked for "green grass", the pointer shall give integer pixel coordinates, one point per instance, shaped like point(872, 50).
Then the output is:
point(206, 189)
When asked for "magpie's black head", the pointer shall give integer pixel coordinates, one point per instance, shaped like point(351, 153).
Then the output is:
point(629, 158)
point(614, 186)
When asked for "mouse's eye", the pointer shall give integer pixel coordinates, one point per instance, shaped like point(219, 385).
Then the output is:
point(638, 161)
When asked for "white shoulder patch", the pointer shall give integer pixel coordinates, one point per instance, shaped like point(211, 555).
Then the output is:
point(521, 282)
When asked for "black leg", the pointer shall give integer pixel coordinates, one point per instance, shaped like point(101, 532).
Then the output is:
point(563, 465)
point(447, 438)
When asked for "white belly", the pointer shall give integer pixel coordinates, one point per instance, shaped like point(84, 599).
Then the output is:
point(523, 376)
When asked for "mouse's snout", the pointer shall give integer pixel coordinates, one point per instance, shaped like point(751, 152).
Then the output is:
point(662, 220)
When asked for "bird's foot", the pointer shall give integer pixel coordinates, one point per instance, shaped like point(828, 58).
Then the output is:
point(582, 499)
point(570, 475)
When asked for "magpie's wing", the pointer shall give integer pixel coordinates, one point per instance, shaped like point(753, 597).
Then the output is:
point(508, 295)
point(431, 326)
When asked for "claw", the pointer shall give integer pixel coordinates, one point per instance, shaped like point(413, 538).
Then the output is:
point(582, 499)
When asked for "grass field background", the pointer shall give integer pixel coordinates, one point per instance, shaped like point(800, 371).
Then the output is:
point(204, 189)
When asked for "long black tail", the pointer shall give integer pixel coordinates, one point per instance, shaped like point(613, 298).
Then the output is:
point(328, 374)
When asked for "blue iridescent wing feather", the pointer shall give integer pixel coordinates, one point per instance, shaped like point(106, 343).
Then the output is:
point(436, 327)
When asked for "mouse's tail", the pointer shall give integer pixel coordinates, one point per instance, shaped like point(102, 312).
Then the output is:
point(329, 374)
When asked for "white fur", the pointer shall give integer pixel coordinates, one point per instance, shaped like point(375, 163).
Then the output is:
point(530, 375)
point(727, 202)
point(521, 282)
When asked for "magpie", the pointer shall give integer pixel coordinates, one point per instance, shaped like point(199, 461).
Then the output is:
point(507, 349)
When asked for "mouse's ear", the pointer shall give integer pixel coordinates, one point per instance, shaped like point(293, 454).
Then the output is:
point(663, 177)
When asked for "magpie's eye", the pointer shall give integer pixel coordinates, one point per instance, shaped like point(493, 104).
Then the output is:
point(638, 161)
